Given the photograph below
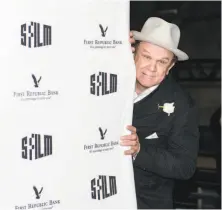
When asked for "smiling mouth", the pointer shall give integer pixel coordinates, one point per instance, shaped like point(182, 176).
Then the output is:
point(147, 75)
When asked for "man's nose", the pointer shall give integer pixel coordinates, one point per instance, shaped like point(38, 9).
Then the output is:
point(152, 65)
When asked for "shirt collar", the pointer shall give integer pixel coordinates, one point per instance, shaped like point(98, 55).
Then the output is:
point(138, 97)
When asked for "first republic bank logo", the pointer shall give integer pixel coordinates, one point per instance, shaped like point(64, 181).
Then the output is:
point(103, 187)
point(37, 192)
point(34, 35)
point(103, 42)
point(105, 146)
point(36, 81)
point(37, 93)
point(103, 31)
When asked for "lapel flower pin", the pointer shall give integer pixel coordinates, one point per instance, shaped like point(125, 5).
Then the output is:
point(168, 108)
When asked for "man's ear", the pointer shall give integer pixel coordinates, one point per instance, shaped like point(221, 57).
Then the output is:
point(170, 67)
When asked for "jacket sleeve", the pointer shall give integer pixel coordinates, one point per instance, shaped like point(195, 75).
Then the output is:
point(178, 161)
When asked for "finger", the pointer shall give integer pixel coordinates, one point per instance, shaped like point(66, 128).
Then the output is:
point(128, 143)
point(132, 41)
point(131, 128)
point(129, 137)
point(129, 152)
point(131, 34)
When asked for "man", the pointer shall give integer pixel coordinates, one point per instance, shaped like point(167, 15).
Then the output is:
point(164, 136)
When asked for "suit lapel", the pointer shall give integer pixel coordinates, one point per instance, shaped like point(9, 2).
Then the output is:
point(150, 104)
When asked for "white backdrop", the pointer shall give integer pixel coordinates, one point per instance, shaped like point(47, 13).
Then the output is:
point(48, 91)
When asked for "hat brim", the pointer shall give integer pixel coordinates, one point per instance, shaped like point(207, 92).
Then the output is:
point(181, 56)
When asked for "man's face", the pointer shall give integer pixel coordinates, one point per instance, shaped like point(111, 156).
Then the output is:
point(152, 65)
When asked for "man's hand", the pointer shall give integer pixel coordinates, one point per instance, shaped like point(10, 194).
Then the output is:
point(131, 140)
point(132, 41)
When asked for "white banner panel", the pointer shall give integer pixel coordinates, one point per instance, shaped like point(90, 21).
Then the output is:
point(66, 88)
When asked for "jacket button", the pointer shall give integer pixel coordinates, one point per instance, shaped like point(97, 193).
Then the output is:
point(144, 169)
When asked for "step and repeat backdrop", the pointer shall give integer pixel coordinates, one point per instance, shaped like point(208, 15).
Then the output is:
point(66, 87)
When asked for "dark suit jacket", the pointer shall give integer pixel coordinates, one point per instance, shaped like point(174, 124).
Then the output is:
point(170, 156)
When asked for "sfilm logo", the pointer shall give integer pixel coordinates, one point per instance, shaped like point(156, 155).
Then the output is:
point(103, 187)
point(49, 204)
point(101, 147)
point(37, 94)
point(34, 35)
point(103, 84)
point(102, 43)
point(35, 148)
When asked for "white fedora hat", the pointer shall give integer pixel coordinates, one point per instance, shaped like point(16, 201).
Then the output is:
point(162, 33)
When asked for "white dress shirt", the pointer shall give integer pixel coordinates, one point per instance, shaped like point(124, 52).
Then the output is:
point(144, 93)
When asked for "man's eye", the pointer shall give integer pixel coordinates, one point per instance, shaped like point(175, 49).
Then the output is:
point(163, 62)
point(146, 56)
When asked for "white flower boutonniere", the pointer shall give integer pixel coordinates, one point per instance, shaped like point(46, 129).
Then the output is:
point(168, 108)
